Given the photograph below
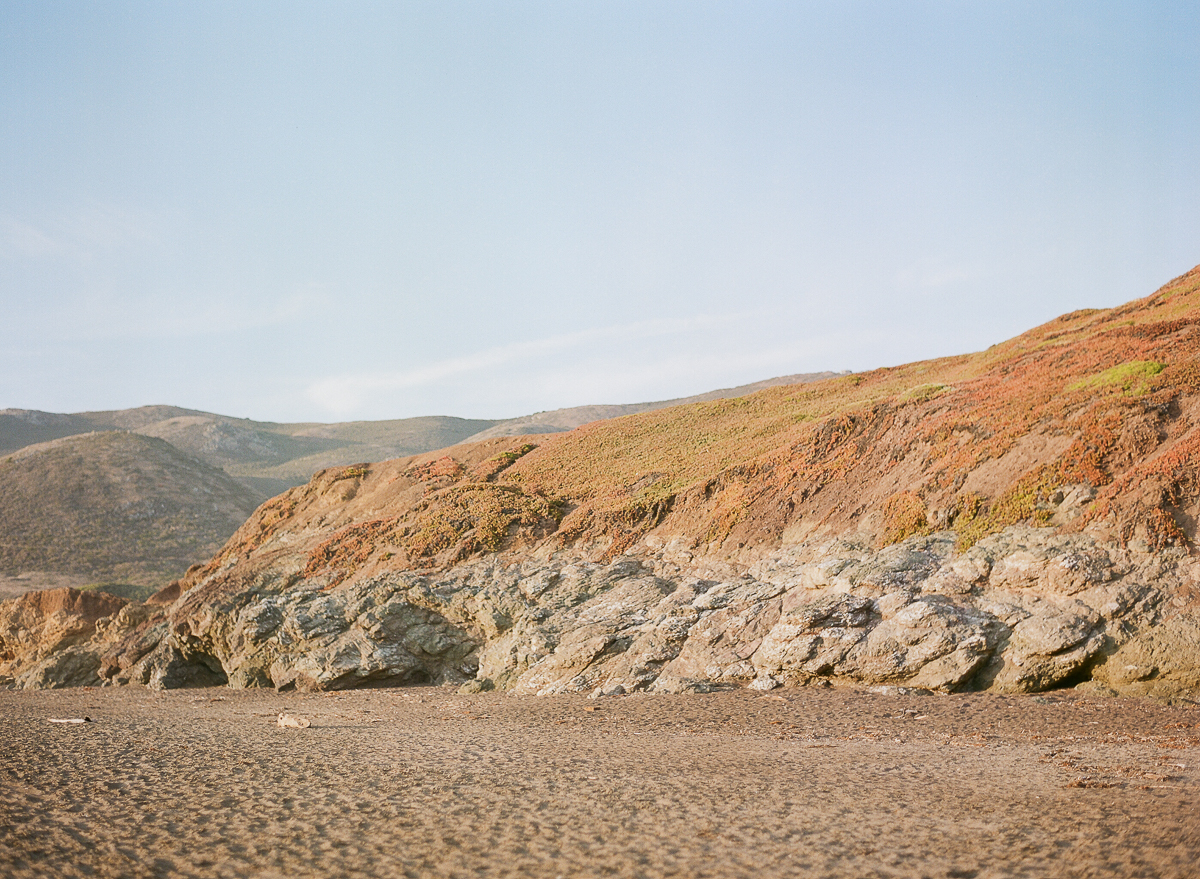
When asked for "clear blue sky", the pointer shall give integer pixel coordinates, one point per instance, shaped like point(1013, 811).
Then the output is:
point(343, 210)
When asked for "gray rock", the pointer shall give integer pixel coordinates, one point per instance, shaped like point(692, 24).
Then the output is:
point(1023, 610)
point(815, 639)
point(720, 643)
point(74, 666)
point(171, 668)
point(930, 643)
point(1160, 661)
point(1053, 644)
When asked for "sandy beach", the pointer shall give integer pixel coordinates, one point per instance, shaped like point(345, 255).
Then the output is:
point(424, 782)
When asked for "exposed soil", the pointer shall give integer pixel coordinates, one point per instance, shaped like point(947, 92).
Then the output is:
point(423, 782)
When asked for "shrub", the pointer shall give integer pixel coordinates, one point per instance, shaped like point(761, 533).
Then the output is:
point(493, 466)
point(1133, 377)
point(486, 509)
point(1023, 502)
point(903, 516)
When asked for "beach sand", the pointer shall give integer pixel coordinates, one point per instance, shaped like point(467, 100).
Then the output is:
point(424, 782)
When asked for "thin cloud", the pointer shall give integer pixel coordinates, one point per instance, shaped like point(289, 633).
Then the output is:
point(111, 317)
point(346, 393)
point(930, 274)
point(22, 240)
point(80, 234)
point(210, 315)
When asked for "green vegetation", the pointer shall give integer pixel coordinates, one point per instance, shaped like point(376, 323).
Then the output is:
point(497, 464)
point(925, 392)
point(1084, 399)
point(483, 510)
point(514, 455)
point(1026, 501)
point(1133, 377)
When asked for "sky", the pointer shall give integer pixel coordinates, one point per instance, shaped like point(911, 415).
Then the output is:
point(338, 211)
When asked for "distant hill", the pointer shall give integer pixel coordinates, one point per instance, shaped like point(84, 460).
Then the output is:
point(560, 420)
point(271, 457)
point(113, 507)
point(265, 456)
point(274, 457)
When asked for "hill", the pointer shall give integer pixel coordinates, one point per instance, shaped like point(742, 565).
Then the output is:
point(1017, 519)
point(113, 507)
point(271, 457)
point(1106, 399)
point(266, 457)
point(562, 420)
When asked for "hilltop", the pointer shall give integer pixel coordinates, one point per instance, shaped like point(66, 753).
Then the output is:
point(112, 507)
point(562, 420)
point(1016, 519)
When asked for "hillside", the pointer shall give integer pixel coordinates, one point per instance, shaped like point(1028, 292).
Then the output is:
point(271, 457)
point(266, 457)
point(113, 507)
point(561, 420)
point(1018, 519)
point(1106, 399)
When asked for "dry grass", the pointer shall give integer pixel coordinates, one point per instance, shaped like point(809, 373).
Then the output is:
point(115, 507)
point(1083, 375)
point(1110, 393)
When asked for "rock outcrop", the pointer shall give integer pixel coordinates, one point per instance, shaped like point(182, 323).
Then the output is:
point(1023, 610)
point(49, 638)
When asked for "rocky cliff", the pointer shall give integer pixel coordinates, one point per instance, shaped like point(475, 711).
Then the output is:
point(1018, 519)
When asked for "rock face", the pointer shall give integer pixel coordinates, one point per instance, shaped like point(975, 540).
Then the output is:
point(48, 639)
point(1024, 610)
